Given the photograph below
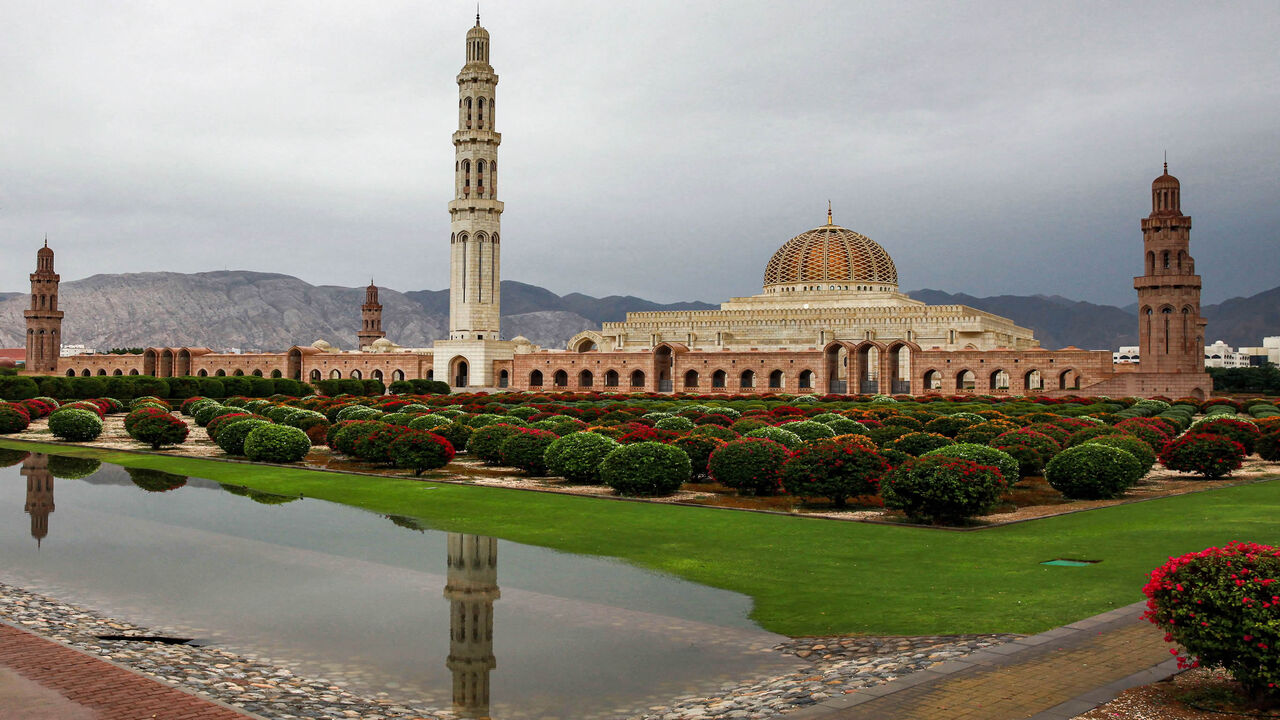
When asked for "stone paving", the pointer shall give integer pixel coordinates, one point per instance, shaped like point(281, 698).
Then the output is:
point(831, 666)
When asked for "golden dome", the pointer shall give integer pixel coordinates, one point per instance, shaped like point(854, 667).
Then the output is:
point(830, 254)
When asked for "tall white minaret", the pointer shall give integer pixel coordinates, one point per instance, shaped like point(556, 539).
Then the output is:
point(466, 359)
point(475, 210)
point(471, 590)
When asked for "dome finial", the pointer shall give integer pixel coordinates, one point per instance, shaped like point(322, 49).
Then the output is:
point(1166, 162)
point(829, 212)
point(477, 14)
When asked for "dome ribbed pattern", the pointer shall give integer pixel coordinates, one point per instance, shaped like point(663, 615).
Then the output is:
point(830, 254)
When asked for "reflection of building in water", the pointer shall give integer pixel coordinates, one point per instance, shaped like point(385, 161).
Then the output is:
point(39, 493)
point(471, 589)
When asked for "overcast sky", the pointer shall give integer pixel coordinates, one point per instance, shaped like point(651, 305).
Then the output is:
point(661, 149)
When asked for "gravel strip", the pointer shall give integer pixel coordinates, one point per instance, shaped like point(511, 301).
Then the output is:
point(272, 690)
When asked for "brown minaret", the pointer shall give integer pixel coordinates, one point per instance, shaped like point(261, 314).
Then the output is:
point(39, 493)
point(44, 319)
point(370, 318)
point(1170, 329)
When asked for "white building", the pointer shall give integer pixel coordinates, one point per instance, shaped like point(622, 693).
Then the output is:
point(1268, 352)
point(1221, 355)
point(1126, 355)
point(69, 350)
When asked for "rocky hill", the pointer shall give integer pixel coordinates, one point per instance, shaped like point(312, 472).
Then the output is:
point(266, 311)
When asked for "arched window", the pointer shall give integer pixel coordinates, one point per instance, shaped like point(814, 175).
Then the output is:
point(775, 379)
point(480, 178)
point(356, 374)
point(747, 379)
point(275, 374)
point(466, 180)
point(637, 379)
point(238, 373)
point(220, 373)
point(611, 378)
point(1164, 259)
point(806, 379)
point(376, 374)
point(535, 378)
point(397, 375)
point(691, 379)
point(335, 374)
point(467, 104)
point(480, 113)
point(257, 373)
point(117, 372)
point(717, 379)
point(1151, 262)
point(133, 371)
point(314, 375)
point(71, 373)
point(493, 179)
point(560, 379)
point(585, 379)
point(102, 371)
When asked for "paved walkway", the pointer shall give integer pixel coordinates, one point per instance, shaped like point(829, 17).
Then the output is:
point(43, 679)
point(1055, 675)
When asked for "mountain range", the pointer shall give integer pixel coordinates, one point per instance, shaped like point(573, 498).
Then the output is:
point(267, 311)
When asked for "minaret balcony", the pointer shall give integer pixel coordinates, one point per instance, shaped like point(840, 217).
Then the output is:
point(485, 137)
point(1160, 281)
point(475, 204)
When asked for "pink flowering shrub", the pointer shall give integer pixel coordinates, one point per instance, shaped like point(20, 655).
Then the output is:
point(1222, 605)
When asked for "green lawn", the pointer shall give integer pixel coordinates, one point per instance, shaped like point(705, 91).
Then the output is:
point(812, 576)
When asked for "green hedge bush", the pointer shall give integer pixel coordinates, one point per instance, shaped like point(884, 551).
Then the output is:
point(750, 465)
point(232, 434)
point(1132, 444)
point(75, 424)
point(276, 444)
point(13, 419)
point(486, 443)
point(919, 443)
point(786, 438)
point(646, 468)
point(577, 456)
point(983, 455)
point(1093, 472)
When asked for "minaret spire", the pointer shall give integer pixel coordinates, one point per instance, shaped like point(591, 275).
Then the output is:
point(829, 212)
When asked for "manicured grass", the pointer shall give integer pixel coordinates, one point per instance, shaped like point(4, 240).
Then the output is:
point(812, 576)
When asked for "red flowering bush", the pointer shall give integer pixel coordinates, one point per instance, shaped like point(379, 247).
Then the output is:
point(942, 490)
point(525, 449)
point(419, 450)
point(752, 466)
point(13, 418)
point(1211, 456)
point(37, 408)
point(648, 434)
point(157, 428)
point(342, 434)
point(372, 445)
point(949, 425)
point(834, 469)
point(985, 432)
point(1222, 605)
point(1155, 435)
point(1030, 448)
point(146, 411)
point(699, 449)
point(1245, 433)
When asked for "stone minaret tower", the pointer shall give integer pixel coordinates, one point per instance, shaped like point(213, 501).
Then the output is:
point(39, 493)
point(471, 589)
point(475, 210)
point(44, 319)
point(1170, 329)
point(370, 318)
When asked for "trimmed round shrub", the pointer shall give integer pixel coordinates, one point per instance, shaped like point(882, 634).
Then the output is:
point(66, 467)
point(456, 433)
point(1210, 456)
point(942, 489)
point(13, 419)
point(420, 450)
point(699, 449)
point(576, 457)
point(75, 424)
point(208, 411)
point(677, 423)
point(486, 442)
point(232, 435)
point(715, 431)
point(1093, 472)
point(786, 438)
point(845, 426)
point(984, 432)
point(345, 434)
point(949, 425)
point(428, 422)
point(1220, 605)
point(276, 444)
point(646, 469)
point(884, 435)
point(1268, 446)
point(1243, 432)
point(983, 455)
point(750, 465)
point(1131, 444)
point(1154, 435)
point(159, 429)
point(1030, 448)
point(748, 424)
point(1083, 436)
point(834, 469)
point(358, 412)
point(524, 449)
point(185, 407)
point(809, 430)
point(919, 443)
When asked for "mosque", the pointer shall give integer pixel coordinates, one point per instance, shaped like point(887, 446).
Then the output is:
point(829, 318)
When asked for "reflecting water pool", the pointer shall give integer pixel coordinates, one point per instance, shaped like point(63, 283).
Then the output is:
point(484, 626)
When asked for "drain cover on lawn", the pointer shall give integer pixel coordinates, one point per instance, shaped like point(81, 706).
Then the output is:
point(1062, 562)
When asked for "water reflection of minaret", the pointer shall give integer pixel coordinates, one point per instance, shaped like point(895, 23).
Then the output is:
point(471, 589)
point(39, 493)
